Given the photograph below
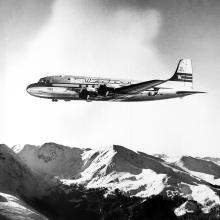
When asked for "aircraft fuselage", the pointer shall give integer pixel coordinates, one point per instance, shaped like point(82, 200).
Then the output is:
point(94, 89)
point(68, 87)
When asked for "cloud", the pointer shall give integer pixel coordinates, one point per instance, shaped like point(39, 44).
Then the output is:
point(125, 39)
point(19, 22)
point(78, 41)
point(117, 44)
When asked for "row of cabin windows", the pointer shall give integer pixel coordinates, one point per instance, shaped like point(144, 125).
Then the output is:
point(46, 82)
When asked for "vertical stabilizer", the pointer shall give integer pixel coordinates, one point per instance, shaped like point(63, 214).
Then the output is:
point(184, 72)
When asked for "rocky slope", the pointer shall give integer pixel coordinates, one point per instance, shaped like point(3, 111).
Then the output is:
point(60, 181)
point(53, 159)
point(18, 182)
point(16, 176)
point(14, 208)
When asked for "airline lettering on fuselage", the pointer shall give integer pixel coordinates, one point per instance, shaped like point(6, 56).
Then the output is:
point(106, 81)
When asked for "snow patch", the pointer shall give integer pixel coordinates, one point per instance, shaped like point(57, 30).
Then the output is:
point(205, 196)
point(207, 177)
point(97, 165)
point(143, 185)
point(17, 148)
point(172, 159)
point(182, 210)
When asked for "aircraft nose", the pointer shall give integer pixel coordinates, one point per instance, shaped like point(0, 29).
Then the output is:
point(30, 87)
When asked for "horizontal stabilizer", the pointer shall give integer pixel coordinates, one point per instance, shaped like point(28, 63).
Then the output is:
point(189, 92)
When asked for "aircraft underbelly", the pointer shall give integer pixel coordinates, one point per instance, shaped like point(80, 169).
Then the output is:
point(144, 97)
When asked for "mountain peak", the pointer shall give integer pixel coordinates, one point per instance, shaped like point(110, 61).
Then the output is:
point(50, 151)
point(114, 168)
point(119, 147)
point(53, 159)
point(53, 145)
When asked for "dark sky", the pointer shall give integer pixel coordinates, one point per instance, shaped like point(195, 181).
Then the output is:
point(185, 24)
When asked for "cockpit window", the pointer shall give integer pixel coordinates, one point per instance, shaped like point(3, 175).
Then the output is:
point(44, 81)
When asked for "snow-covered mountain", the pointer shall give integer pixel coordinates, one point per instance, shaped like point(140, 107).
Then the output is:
point(14, 208)
point(194, 183)
point(206, 168)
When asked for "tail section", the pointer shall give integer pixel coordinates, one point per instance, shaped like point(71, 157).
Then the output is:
point(184, 72)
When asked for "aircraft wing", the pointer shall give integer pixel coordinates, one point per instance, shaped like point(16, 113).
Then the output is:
point(138, 87)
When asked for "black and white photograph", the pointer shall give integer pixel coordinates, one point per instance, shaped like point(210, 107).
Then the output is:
point(110, 109)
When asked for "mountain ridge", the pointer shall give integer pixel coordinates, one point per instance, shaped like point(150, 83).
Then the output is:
point(56, 172)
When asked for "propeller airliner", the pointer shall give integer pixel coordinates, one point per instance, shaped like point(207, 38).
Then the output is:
point(68, 87)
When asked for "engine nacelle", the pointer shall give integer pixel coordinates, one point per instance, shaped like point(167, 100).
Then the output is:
point(85, 94)
point(104, 90)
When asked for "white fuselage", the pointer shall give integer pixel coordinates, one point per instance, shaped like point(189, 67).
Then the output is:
point(71, 88)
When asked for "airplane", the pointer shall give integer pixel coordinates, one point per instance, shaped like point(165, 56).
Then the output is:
point(68, 87)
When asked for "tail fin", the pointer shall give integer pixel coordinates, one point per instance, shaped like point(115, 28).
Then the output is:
point(184, 72)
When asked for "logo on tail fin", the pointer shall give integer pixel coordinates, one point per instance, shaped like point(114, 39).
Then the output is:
point(183, 71)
